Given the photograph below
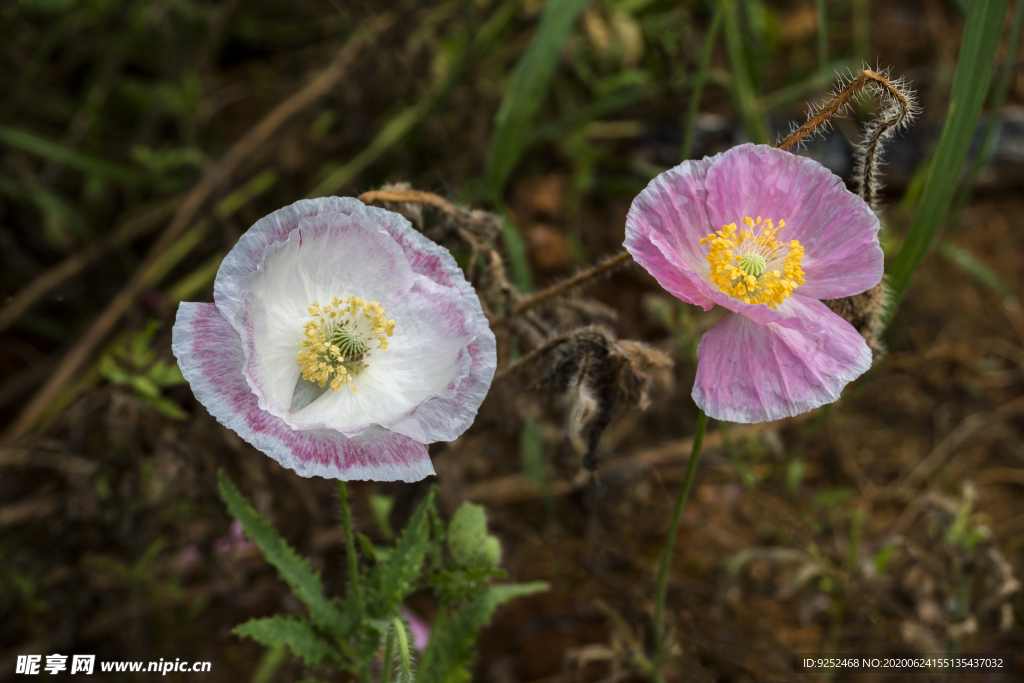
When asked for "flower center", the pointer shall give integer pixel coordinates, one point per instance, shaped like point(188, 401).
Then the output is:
point(753, 264)
point(339, 337)
point(755, 267)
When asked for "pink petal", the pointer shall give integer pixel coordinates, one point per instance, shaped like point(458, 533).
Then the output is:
point(664, 228)
point(420, 629)
point(837, 229)
point(749, 372)
point(210, 356)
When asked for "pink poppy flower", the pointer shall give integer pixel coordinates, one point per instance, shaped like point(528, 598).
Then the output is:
point(802, 237)
point(341, 341)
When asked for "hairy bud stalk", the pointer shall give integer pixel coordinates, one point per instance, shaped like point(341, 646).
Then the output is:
point(899, 107)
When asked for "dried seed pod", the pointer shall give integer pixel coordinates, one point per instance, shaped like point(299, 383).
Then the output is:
point(601, 376)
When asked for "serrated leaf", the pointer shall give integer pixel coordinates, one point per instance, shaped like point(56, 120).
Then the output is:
point(406, 560)
point(294, 569)
point(452, 637)
point(294, 632)
point(527, 88)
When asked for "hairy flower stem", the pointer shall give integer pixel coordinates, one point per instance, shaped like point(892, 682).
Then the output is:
point(353, 564)
point(837, 103)
point(670, 542)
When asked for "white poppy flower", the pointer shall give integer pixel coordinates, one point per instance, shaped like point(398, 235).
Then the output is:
point(341, 341)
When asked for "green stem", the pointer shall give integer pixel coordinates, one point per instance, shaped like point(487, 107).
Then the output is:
point(670, 542)
point(350, 547)
point(353, 570)
point(702, 75)
point(385, 675)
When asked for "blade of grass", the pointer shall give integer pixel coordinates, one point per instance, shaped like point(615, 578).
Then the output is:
point(702, 75)
point(970, 84)
point(66, 157)
point(527, 88)
point(595, 110)
point(742, 84)
point(402, 123)
point(989, 138)
point(975, 268)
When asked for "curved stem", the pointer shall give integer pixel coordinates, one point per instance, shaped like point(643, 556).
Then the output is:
point(670, 542)
point(564, 286)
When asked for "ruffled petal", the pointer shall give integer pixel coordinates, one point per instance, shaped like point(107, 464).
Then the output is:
point(664, 227)
point(749, 372)
point(837, 229)
point(210, 355)
point(450, 413)
point(245, 257)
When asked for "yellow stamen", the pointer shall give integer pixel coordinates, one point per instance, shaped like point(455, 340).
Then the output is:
point(338, 340)
point(746, 266)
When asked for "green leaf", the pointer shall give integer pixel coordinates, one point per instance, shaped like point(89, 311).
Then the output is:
point(407, 119)
point(269, 663)
point(406, 560)
point(294, 569)
point(60, 154)
point(970, 84)
point(468, 540)
point(167, 407)
point(744, 91)
point(831, 498)
point(973, 267)
point(608, 104)
point(452, 636)
point(702, 74)
point(165, 374)
point(112, 371)
point(381, 507)
point(294, 632)
point(527, 88)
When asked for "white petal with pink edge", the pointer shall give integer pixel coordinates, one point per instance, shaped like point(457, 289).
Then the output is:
point(751, 372)
point(210, 355)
